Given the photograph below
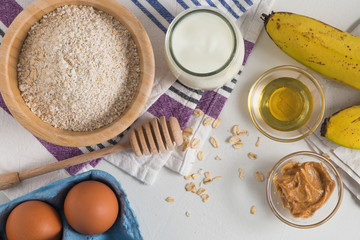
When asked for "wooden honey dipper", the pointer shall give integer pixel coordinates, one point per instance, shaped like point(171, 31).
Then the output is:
point(154, 136)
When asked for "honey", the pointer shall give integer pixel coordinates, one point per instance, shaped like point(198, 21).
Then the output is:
point(285, 104)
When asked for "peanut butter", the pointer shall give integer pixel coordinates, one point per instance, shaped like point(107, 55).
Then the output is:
point(304, 188)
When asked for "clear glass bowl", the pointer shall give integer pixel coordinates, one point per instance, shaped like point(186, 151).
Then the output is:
point(309, 81)
point(321, 215)
point(218, 77)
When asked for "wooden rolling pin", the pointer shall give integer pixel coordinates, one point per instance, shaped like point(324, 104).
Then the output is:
point(151, 137)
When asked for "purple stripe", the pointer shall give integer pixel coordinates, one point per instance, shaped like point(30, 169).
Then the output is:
point(3, 105)
point(9, 9)
point(248, 48)
point(95, 162)
point(212, 103)
point(59, 152)
point(167, 106)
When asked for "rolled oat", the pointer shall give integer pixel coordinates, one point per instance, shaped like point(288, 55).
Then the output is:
point(216, 123)
point(238, 145)
point(252, 155)
point(198, 112)
point(195, 143)
point(207, 121)
point(205, 197)
point(258, 142)
point(200, 155)
point(214, 142)
point(253, 210)
point(259, 176)
point(188, 132)
point(241, 173)
point(78, 68)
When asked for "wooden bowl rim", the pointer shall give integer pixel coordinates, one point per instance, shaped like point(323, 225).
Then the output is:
point(45, 131)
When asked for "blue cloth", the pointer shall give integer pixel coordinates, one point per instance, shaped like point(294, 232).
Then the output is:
point(126, 226)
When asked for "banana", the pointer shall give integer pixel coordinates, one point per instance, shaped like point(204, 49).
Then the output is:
point(321, 47)
point(343, 127)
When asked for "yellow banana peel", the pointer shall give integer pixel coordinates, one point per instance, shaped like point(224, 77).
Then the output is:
point(343, 127)
point(319, 46)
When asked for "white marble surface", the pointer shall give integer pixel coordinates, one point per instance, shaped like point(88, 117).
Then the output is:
point(227, 214)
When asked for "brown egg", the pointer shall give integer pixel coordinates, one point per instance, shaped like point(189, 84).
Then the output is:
point(33, 220)
point(91, 207)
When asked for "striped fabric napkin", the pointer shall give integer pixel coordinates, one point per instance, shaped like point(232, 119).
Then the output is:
point(169, 97)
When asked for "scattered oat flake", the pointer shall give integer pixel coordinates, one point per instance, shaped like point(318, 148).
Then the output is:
point(195, 175)
point(243, 133)
point(259, 176)
point(198, 112)
point(207, 121)
point(186, 144)
point(234, 139)
point(170, 199)
point(238, 145)
point(188, 131)
point(190, 186)
point(201, 191)
point(218, 158)
point(205, 197)
point(325, 155)
point(195, 143)
point(207, 175)
point(214, 142)
point(235, 129)
point(200, 155)
point(258, 142)
point(216, 178)
point(207, 181)
point(216, 123)
point(253, 210)
point(241, 173)
point(187, 214)
point(252, 155)
point(188, 177)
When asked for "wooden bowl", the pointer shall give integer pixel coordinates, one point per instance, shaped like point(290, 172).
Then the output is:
point(9, 52)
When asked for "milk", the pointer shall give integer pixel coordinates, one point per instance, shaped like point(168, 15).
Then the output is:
point(202, 42)
point(204, 48)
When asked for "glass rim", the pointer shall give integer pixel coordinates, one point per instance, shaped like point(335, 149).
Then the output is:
point(322, 159)
point(293, 68)
point(228, 23)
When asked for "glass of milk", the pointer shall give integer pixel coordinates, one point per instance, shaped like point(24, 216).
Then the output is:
point(204, 48)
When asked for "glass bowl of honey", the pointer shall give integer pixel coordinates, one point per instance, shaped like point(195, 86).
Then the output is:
point(286, 103)
point(304, 189)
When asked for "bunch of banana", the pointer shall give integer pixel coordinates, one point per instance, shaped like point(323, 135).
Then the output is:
point(343, 127)
point(321, 47)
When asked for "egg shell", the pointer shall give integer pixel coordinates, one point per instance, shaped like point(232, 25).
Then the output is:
point(34, 220)
point(91, 207)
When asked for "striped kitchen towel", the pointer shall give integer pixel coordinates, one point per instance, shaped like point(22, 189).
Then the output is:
point(169, 97)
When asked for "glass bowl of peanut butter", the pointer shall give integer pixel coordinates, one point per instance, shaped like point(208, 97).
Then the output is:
point(304, 189)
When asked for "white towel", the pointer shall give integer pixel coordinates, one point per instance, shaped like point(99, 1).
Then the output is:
point(155, 16)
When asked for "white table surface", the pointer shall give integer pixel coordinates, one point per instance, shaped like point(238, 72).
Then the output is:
point(227, 214)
